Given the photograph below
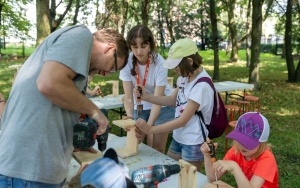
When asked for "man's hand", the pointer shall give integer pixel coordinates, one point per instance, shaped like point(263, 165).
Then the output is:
point(101, 120)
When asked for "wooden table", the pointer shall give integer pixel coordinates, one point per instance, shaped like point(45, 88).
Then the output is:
point(111, 102)
point(230, 86)
point(146, 156)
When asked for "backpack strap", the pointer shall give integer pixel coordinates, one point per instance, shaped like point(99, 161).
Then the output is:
point(199, 113)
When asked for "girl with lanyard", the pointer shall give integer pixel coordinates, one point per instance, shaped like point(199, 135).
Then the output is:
point(145, 67)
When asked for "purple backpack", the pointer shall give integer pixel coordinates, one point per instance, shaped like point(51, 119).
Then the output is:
point(219, 121)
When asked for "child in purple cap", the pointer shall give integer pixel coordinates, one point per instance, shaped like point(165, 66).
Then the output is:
point(250, 159)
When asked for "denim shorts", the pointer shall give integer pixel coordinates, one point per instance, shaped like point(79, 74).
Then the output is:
point(166, 114)
point(6, 181)
point(187, 152)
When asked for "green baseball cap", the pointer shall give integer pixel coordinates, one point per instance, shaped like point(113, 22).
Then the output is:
point(180, 49)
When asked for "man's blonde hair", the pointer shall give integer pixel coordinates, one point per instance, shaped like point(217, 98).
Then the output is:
point(112, 36)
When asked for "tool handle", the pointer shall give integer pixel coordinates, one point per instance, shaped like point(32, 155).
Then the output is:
point(140, 91)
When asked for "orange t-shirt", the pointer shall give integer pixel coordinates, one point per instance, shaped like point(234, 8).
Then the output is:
point(264, 166)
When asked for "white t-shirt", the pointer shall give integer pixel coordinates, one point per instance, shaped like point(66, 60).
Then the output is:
point(157, 76)
point(202, 93)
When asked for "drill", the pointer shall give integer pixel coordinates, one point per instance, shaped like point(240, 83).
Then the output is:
point(84, 135)
point(152, 175)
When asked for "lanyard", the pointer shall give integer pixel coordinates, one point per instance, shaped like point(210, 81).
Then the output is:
point(146, 73)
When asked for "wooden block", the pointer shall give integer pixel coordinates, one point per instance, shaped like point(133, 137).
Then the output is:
point(84, 157)
point(115, 87)
point(187, 175)
point(124, 123)
point(131, 147)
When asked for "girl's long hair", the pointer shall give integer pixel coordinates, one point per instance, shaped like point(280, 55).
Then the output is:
point(143, 32)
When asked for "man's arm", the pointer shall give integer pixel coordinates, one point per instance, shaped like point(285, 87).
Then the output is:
point(56, 83)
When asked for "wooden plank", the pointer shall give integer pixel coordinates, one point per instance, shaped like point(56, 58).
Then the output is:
point(85, 157)
point(115, 87)
point(125, 124)
point(131, 147)
point(187, 175)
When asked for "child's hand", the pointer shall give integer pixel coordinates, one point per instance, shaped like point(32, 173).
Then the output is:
point(143, 126)
point(224, 165)
point(205, 149)
point(139, 93)
point(97, 91)
point(139, 135)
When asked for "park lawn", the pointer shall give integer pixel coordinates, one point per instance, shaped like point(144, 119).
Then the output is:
point(279, 103)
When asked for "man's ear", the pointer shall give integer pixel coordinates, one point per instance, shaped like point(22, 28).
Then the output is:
point(110, 46)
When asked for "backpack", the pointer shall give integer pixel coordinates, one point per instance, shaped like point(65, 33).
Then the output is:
point(219, 121)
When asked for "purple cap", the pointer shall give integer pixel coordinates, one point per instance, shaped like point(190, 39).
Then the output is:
point(251, 129)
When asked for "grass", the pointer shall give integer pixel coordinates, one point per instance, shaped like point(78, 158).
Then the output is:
point(279, 103)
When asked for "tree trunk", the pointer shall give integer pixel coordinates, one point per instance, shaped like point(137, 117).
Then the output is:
point(232, 30)
point(255, 45)
point(215, 41)
point(42, 20)
point(124, 16)
point(288, 42)
point(160, 28)
point(145, 11)
point(169, 21)
point(297, 72)
point(248, 40)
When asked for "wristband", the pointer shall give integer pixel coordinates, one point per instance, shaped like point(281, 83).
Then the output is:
point(2, 100)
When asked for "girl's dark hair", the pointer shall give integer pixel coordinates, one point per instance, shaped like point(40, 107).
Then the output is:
point(186, 68)
point(143, 32)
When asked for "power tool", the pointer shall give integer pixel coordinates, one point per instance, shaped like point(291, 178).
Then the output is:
point(150, 176)
point(84, 135)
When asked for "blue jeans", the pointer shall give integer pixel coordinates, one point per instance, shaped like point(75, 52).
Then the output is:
point(166, 114)
point(187, 152)
point(10, 182)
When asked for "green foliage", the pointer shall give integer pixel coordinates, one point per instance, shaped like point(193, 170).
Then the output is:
point(12, 18)
point(279, 103)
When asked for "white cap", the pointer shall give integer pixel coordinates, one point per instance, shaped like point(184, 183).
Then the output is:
point(180, 49)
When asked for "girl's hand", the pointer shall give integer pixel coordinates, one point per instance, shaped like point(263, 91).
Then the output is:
point(139, 135)
point(97, 91)
point(224, 165)
point(205, 149)
point(143, 126)
point(138, 93)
